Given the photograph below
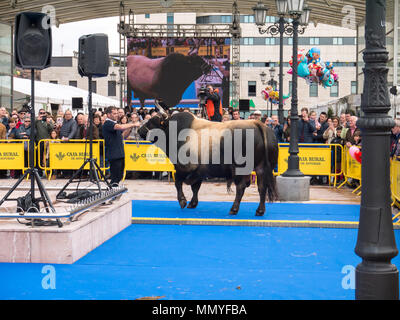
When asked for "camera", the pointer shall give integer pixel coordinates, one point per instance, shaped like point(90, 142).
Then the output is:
point(202, 95)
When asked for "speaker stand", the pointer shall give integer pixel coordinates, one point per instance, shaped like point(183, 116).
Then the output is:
point(94, 168)
point(32, 171)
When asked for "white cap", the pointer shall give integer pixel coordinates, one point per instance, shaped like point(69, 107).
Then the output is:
point(257, 112)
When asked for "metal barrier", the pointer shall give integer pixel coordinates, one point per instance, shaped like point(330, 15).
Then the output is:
point(395, 185)
point(14, 155)
point(145, 156)
point(315, 159)
point(70, 155)
point(351, 170)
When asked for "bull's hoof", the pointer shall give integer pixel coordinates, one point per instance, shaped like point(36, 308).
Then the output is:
point(192, 205)
point(183, 203)
point(233, 212)
point(260, 213)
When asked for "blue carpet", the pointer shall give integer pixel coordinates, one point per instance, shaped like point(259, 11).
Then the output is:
point(220, 210)
point(205, 262)
point(198, 263)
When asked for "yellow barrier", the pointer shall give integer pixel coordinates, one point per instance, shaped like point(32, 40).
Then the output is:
point(69, 155)
point(14, 154)
point(315, 159)
point(395, 180)
point(351, 169)
point(145, 156)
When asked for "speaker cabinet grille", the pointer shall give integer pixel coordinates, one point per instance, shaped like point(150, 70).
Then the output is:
point(93, 55)
point(32, 44)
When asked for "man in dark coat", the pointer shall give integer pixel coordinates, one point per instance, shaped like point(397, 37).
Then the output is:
point(306, 128)
point(323, 125)
point(277, 127)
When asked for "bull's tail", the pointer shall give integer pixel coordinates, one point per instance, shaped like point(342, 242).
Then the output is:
point(270, 163)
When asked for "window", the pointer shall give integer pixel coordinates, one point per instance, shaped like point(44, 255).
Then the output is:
point(73, 83)
point(53, 81)
point(170, 18)
point(249, 19)
point(252, 85)
point(269, 19)
point(313, 90)
point(226, 19)
point(94, 86)
point(147, 15)
point(248, 41)
point(112, 88)
point(335, 90)
point(290, 41)
point(314, 41)
point(270, 41)
point(337, 41)
point(248, 64)
point(354, 87)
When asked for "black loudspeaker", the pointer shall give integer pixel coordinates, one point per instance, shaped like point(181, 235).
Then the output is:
point(77, 103)
point(93, 58)
point(244, 105)
point(32, 41)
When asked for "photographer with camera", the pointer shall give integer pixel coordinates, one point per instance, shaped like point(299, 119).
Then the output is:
point(306, 127)
point(213, 104)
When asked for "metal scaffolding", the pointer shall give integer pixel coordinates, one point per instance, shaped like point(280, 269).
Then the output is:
point(131, 30)
point(235, 74)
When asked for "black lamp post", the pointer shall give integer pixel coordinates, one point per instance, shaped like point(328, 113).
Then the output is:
point(295, 9)
point(281, 27)
point(273, 85)
point(376, 277)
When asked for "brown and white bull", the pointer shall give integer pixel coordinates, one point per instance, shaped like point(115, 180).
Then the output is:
point(164, 79)
point(189, 142)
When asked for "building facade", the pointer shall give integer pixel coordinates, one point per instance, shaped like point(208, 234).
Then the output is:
point(258, 53)
point(6, 65)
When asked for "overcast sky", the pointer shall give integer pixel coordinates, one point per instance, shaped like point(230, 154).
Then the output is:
point(65, 38)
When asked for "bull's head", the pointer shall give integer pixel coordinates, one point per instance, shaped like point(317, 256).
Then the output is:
point(159, 121)
point(178, 72)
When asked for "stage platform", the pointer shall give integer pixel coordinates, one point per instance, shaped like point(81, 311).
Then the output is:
point(22, 243)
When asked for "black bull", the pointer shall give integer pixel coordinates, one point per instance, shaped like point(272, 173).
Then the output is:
point(264, 149)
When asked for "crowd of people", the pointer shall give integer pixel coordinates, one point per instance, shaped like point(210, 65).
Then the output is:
point(65, 126)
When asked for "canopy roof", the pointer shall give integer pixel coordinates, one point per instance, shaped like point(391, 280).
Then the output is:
point(323, 11)
point(59, 94)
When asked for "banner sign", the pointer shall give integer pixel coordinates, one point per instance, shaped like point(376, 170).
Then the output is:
point(314, 159)
point(71, 156)
point(146, 157)
point(12, 155)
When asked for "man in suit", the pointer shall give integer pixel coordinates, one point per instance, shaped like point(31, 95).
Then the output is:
point(115, 154)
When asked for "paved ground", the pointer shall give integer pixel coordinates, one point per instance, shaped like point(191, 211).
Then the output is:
point(163, 190)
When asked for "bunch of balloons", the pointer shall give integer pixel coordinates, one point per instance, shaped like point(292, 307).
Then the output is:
point(269, 94)
point(355, 153)
point(313, 69)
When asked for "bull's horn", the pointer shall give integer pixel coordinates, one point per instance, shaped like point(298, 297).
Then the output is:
point(161, 109)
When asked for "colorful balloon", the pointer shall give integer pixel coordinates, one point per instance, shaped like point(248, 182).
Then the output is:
point(269, 94)
point(313, 69)
point(355, 153)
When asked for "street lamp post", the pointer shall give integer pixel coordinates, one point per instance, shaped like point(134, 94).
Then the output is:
point(281, 27)
point(376, 277)
point(273, 84)
point(292, 185)
point(295, 10)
